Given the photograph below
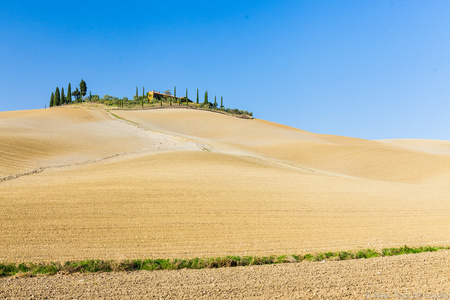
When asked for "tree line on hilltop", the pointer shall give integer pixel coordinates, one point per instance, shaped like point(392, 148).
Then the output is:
point(166, 98)
point(60, 98)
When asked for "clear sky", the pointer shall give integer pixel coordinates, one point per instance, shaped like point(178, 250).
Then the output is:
point(369, 69)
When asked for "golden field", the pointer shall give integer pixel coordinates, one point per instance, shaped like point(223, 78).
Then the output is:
point(81, 183)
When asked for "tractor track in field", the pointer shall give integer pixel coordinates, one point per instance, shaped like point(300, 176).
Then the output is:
point(210, 148)
point(42, 169)
point(163, 142)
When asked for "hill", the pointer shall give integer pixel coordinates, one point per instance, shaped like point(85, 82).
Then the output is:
point(80, 183)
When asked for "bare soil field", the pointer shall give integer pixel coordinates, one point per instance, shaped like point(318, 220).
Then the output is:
point(427, 146)
point(78, 183)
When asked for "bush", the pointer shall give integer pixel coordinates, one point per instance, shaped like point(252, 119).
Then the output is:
point(107, 97)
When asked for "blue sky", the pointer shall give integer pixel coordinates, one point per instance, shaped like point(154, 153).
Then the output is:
point(367, 69)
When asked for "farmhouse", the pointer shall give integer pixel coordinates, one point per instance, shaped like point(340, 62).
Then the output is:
point(152, 95)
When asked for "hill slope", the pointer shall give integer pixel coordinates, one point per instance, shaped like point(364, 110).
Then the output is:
point(337, 154)
point(186, 183)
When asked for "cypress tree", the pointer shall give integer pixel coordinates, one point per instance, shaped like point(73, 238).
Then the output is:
point(170, 100)
point(136, 92)
point(51, 100)
point(179, 101)
point(63, 97)
point(206, 98)
point(69, 94)
point(187, 99)
point(90, 96)
point(197, 96)
point(215, 102)
point(83, 88)
point(175, 91)
point(221, 102)
point(57, 99)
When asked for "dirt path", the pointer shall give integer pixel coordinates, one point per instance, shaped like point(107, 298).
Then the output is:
point(150, 142)
point(414, 276)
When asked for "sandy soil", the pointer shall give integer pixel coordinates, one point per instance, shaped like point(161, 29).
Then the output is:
point(61, 136)
point(81, 184)
point(414, 276)
point(427, 146)
point(188, 204)
point(341, 155)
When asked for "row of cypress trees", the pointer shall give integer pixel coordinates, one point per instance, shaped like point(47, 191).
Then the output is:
point(59, 98)
point(206, 101)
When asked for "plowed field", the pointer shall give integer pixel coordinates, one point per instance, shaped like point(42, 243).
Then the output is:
point(79, 183)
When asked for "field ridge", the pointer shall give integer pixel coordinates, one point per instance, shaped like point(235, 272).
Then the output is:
point(95, 265)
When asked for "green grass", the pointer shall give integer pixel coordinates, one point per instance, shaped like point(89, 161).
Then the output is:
point(92, 266)
point(120, 118)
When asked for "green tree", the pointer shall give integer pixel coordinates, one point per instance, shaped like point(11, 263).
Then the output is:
point(136, 92)
point(197, 96)
point(83, 88)
point(215, 102)
point(175, 91)
point(57, 99)
point(206, 98)
point(63, 97)
point(90, 96)
point(77, 95)
point(167, 92)
point(187, 99)
point(221, 102)
point(51, 100)
point(69, 94)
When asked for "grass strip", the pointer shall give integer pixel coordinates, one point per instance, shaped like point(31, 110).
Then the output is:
point(120, 118)
point(92, 266)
